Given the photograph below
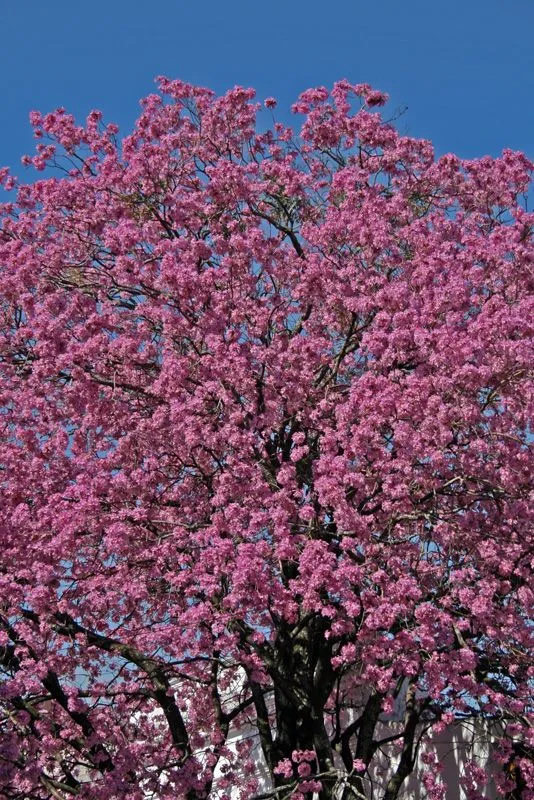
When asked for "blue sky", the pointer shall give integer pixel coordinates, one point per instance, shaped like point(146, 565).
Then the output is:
point(463, 68)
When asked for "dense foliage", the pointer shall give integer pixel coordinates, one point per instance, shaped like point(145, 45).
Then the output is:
point(265, 454)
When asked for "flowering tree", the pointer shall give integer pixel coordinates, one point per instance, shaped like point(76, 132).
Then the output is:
point(264, 452)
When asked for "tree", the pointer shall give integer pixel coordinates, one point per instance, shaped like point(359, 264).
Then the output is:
point(265, 453)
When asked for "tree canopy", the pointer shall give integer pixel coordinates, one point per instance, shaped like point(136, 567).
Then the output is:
point(265, 454)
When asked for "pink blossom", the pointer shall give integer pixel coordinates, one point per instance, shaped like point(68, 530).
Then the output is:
point(284, 768)
point(265, 451)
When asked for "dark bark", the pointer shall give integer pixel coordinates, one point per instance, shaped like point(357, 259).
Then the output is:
point(408, 754)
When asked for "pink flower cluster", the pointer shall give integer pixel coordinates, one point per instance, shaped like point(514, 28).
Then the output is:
point(265, 447)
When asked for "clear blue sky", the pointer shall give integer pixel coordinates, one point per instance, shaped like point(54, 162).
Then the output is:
point(463, 68)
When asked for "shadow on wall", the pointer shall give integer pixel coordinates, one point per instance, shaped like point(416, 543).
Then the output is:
point(453, 754)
